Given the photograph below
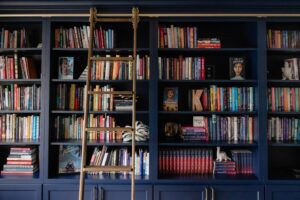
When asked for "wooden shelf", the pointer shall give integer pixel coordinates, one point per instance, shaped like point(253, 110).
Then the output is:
point(206, 144)
point(98, 112)
point(206, 113)
point(19, 142)
point(98, 143)
point(20, 111)
point(12, 50)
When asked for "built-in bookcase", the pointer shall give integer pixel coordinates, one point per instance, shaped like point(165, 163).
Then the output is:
point(283, 128)
point(120, 39)
point(238, 39)
point(21, 112)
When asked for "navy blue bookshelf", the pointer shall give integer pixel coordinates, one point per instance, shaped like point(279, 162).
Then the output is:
point(272, 161)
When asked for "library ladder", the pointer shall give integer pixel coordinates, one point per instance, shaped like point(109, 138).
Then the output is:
point(95, 18)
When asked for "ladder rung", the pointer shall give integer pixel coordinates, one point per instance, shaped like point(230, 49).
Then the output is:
point(112, 59)
point(107, 169)
point(113, 19)
point(108, 129)
point(112, 92)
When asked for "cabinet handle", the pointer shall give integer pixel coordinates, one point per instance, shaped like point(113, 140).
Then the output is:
point(94, 193)
point(100, 193)
point(205, 193)
point(212, 193)
point(257, 195)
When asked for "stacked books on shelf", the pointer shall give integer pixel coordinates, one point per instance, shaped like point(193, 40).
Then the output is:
point(224, 167)
point(191, 133)
point(10, 66)
point(123, 103)
point(243, 160)
point(283, 99)
point(70, 127)
point(211, 43)
point(13, 127)
point(181, 68)
point(16, 97)
point(177, 37)
point(283, 38)
point(185, 161)
point(14, 38)
point(283, 129)
point(78, 37)
point(121, 157)
point(21, 161)
point(216, 99)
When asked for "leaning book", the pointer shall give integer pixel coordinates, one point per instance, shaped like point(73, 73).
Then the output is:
point(69, 159)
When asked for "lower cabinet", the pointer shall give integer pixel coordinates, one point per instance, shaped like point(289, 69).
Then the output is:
point(96, 192)
point(20, 192)
point(68, 192)
point(213, 192)
point(282, 192)
point(117, 192)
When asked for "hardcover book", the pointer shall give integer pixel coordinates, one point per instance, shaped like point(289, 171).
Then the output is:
point(237, 68)
point(69, 159)
point(66, 65)
point(170, 102)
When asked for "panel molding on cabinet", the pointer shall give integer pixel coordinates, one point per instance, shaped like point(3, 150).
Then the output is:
point(235, 192)
point(114, 192)
point(62, 192)
point(20, 192)
point(179, 192)
point(286, 192)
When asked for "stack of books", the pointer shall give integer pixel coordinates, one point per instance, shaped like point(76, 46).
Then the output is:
point(21, 161)
point(227, 167)
point(190, 133)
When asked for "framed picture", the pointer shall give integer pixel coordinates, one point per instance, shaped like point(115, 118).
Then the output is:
point(170, 102)
point(66, 67)
point(237, 68)
point(69, 159)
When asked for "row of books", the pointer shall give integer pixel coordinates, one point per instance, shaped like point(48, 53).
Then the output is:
point(118, 70)
point(71, 98)
point(219, 128)
point(243, 161)
point(78, 37)
point(21, 161)
point(283, 38)
point(283, 129)
point(14, 38)
point(121, 157)
point(185, 161)
point(10, 67)
point(71, 127)
point(218, 99)
point(13, 127)
point(284, 99)
point(16, 97)
point(177, 37)
point(181, 68)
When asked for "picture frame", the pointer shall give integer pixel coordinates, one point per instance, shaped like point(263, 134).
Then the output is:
point(237, 68)
point(170, 99)
point(66, 67)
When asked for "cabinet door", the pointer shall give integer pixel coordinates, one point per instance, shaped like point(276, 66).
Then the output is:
point(68, 192)
point(236, 192)
point(20, 192)
point(285, 192)
point(117, 192)
point(179, 192)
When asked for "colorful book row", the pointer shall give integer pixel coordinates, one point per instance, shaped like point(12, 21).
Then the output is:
point(13, 127)
point(121, 157)
point(16, 97)
point(177, 37)
point(284, 99)
point(283, 129)
point(14, 39)
point(78, 37)
point(283, 38)
point(71, 127)
point(181, 68)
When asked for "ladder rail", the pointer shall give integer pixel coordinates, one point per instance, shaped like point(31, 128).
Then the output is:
point(93, 20)
point(86, 104)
